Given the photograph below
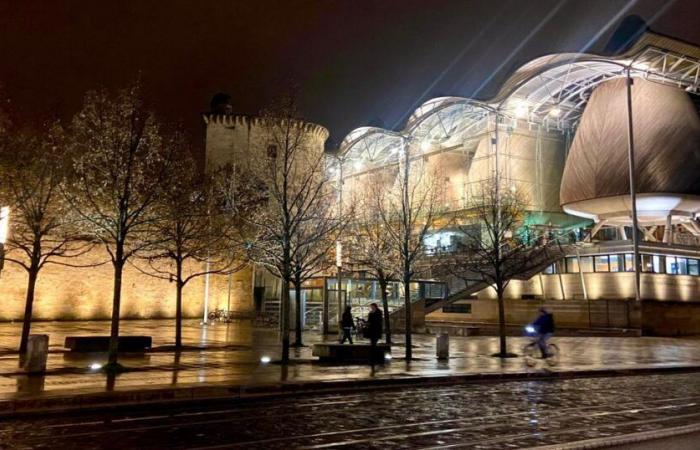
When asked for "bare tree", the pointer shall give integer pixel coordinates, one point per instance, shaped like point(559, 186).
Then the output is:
point(311, 246)
point(190, 236)
point(371, 247)
point(120, 163)
point(42, 230)
point(408, 212)
point(291, 176)
point(495, 246)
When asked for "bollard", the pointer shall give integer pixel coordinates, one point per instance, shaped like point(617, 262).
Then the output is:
point(37, 353)
point(442, 346)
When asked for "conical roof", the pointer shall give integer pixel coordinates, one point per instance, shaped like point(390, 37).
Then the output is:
point(666, 138)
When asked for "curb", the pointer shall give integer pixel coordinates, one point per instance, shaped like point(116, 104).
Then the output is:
point(182, 395)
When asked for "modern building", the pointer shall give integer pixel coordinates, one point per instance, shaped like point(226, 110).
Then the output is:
point(558, 130)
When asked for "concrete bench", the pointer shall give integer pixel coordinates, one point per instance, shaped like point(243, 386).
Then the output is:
point(101, 343)
point(350, 352)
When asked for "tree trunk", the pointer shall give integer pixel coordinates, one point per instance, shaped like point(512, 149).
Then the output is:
point(385, 306)
point(116, 304)
point(178, 306)
point(284, 320)
point(501, 323)
point(298, 322)
point(409, 318)
point(28, 307)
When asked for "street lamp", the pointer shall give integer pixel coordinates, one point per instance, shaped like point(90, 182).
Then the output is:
point(4, 227)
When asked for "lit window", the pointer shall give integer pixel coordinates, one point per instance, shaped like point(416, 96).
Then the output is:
point(671, 265)
point(586, 264)
point(601, 263)
point(629, 264)
point(571, 264)
point(616, 263)
point(647, 264)
point(658, 263)
point(693, 267)
point(682, 266)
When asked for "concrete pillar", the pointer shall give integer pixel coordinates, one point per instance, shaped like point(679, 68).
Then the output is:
point(623, 233)
point(668, 231)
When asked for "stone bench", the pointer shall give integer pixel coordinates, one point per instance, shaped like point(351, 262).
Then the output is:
point(350, 352)
point(84, 344)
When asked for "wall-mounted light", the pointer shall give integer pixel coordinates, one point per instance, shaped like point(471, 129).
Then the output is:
point(555, 111)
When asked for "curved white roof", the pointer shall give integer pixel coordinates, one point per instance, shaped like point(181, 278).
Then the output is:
point(550, 91)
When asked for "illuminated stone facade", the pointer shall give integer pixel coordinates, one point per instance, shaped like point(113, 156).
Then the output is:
point(65, 293)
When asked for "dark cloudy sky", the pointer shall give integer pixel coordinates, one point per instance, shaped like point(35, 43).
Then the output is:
point(353, 60)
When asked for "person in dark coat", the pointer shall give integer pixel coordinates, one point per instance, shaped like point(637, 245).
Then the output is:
point(374, 324)
point(544, 326)
point(347, 325)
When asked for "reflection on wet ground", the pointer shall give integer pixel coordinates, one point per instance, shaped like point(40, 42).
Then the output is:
point(231, 353)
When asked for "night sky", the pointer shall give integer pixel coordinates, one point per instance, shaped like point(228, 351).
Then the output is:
point(353, 61)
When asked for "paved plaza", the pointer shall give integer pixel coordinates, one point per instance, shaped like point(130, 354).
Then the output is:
point(231, 354)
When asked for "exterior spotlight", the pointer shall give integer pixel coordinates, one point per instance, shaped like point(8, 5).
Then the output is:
point(265, 359)
point(521, 110)
point(387, 356)
point(357, 165)
point(555, 111)
point(95, 366)
point(425, 145)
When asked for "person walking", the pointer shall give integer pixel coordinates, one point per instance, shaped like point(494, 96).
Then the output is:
point(347, 324)
point(374, 324)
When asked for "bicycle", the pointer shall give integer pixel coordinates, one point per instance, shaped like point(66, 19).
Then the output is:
point(531, 351)
point(220, 315)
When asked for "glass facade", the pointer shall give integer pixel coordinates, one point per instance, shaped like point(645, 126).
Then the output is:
point(672, 265)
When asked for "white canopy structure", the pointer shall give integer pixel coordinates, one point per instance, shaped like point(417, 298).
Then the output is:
point(550, 91)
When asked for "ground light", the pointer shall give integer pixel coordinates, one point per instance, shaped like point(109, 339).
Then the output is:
point(95, 366)
point(387, 356)
point(265, 359)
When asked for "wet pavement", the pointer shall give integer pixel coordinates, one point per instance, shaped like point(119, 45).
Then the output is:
point(515, 414)
point(231, 353)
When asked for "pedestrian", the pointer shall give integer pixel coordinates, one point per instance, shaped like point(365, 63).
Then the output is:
point(348, 325)
point(374, 324)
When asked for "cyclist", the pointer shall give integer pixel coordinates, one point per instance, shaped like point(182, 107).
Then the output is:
point(544, 327)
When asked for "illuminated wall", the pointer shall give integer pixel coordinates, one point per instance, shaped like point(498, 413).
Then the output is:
point(65, 293)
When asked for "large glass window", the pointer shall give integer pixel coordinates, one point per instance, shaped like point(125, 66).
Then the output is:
point(658, 264)
point(647, 263)
point(571, 264)
point(629, 262)
point(616, 263)
point(586, 264)
point(682, 264)
point(671, 265)
point(693, 267)
point(549, 270)
point(601, 263)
